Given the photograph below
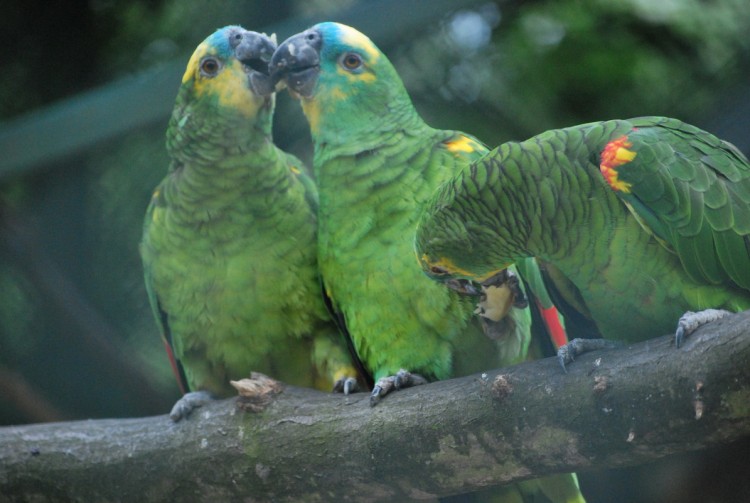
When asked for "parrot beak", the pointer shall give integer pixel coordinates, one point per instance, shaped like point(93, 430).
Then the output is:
point(464, 287)
point(254, 50)
point(297, 60)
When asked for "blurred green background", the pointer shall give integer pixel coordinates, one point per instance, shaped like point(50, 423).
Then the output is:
point(84, 102)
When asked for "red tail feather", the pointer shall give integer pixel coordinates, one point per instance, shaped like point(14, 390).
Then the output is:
point(552, 320)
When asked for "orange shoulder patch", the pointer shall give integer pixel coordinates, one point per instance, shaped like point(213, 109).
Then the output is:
point(616, 154)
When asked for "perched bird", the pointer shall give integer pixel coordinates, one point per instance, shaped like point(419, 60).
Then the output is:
point(640, 220)
point(229, 238)
point(376, 163)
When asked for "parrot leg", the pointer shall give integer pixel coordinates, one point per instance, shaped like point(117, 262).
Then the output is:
point(690, 321)
point(402, 379)
point(346, 385)
point(188, 402)
point(568, 352)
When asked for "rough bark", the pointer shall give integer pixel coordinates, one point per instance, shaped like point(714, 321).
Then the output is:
point(614, 408)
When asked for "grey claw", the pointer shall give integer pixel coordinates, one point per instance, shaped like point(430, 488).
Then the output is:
point(564, 356)
point(189, 402)
point(375, 395)
point(350, 386)
point(402, 379)
point(346, 385)
point(690, 321)
point(679, 335)
point(567, 352)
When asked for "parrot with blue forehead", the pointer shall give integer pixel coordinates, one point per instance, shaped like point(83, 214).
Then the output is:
point(376, 164)
point(229, 237)
point(646, 221)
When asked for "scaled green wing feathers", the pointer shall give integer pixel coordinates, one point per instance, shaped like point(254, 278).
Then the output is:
point(692, 190)
point(646, 218)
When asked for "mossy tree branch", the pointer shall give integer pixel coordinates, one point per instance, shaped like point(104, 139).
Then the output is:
point(613, 409)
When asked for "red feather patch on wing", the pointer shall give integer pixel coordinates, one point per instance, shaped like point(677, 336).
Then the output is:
point(616, 154)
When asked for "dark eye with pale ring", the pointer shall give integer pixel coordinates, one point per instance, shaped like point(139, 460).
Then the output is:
point(210, 67)
point(351, 61)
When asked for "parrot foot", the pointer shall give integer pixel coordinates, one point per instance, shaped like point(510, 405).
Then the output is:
point(346, 385)
point(402, 379)
point(567, 352)
point(690, 321)
point(188, 403)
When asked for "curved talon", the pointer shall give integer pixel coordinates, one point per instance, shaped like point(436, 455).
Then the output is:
point(346, 385)
point(189, 402)
point(565, 356)
point(402, 379)
point(679, 335)
point(375, 395)
point(567, 352)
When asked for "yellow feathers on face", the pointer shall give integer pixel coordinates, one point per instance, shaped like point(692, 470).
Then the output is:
point(213, 74)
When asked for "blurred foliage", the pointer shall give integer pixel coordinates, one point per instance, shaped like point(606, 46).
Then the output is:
point(89, 42)
point(116, 202)
point(551, 64)
point(501, 70)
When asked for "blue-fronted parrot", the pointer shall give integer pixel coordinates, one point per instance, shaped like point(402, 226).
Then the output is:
point(229, 238)
point(376, 163)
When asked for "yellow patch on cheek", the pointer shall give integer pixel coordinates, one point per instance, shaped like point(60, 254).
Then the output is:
point(231, 88)
point(323, 101)
point(311, 108)
point(337, 94)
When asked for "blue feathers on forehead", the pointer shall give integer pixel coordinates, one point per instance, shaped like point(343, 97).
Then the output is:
point(338, 38)
point(219, 40)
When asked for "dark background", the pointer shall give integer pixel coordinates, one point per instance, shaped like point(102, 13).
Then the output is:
point(85, 96)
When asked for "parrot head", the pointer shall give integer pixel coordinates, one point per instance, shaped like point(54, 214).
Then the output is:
point(449, 247)
point(226, 89)
point(231, 66)
point(345, 83)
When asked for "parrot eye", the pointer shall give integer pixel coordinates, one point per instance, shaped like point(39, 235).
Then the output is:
point(210, 67)
point(351, 61)
point(437, 270)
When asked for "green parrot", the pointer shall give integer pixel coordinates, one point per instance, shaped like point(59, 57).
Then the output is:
point(229, 238)
point(376, 163)
point(640, 221)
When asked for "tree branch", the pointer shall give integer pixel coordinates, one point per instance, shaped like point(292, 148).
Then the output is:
point(613, 409)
